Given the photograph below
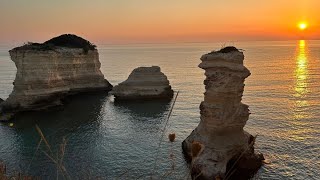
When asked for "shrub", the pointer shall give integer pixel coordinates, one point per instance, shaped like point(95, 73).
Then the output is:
point(65, 40)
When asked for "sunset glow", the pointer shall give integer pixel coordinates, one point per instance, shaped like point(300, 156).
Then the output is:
point(126, 21)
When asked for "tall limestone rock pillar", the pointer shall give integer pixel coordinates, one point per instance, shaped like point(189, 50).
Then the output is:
point(219, 147)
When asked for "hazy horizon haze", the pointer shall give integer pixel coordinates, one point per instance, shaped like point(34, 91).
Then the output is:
point(142, 21)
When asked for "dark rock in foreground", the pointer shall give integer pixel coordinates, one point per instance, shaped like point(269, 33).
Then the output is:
point(48, 72)
point(219, 147)
point(144, 83)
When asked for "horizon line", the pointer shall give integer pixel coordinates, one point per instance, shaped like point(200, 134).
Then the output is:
point(182, 42)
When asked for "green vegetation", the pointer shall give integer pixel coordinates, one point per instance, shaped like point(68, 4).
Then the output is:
point(228, 49)
point(65, 40)
point(71, 41)
point(36, 47)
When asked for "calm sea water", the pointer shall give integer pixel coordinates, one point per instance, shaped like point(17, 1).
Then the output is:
point(122, 140)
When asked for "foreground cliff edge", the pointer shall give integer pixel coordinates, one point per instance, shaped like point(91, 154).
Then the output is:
point(219, 147)
point(49, 72)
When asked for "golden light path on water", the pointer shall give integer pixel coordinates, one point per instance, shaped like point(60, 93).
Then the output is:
point(301, 91)
point(301, 71)
point(301, 77)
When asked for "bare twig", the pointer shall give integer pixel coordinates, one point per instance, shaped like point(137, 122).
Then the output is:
point(231, 171)
point(58, 162)
point(34, 155)
point(163, 132)
point(43, 138)
point(124, 173)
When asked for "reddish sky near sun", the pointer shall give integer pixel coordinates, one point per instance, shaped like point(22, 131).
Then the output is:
point(128, 21)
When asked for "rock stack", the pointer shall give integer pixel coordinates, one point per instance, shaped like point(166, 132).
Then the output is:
point(219, 147)
point(144, 83)
point(48, 72)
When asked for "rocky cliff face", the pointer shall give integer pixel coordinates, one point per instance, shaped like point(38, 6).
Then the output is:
point(144, 83)
point(47, 73)
point(219, 140)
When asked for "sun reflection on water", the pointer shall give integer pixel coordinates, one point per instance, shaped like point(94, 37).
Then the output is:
point(301, 81)
point(301, 72)
point(298, 130)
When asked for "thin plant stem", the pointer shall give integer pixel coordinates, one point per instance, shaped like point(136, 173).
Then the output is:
point(229, 173)
point(34, 155)
point(43, 138)
point(163, 132)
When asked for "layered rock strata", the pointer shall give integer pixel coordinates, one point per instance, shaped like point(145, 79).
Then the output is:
point(219, 147)
point(144, 83)
point(48, 72)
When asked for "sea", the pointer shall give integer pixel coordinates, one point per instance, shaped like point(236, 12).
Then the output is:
point(95, 137)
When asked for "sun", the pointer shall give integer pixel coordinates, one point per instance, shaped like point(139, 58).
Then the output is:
point(302, 26)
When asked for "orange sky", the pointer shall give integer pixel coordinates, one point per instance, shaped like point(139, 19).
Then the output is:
point(127, 21)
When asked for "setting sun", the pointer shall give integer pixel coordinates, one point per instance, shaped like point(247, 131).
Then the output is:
point(302, 26)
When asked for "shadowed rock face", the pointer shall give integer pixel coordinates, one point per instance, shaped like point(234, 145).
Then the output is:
point(144, 83)
point(219, 138)
point(48, 73)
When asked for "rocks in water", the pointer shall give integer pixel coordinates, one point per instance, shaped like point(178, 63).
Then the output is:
point(219, 147)
point(6, 116)
point(48, 72)
point(144, 83)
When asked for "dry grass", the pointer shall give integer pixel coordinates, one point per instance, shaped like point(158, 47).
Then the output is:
point(195, 149)
point(172, 137)
point(232, 169)
point(163, 132)
point(15, 176)
point(61, 172)
point(58, 158)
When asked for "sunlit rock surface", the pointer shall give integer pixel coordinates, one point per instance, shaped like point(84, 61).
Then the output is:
point(144, 83)
point(219, 140)
point(48, 72)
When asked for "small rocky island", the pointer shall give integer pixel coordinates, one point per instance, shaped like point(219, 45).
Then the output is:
point(219, 148)
point(144, 83)
point(50, 71)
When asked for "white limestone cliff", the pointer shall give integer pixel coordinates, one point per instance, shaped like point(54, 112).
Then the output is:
point(46, 73)
point(219, 140)
point(144, 83)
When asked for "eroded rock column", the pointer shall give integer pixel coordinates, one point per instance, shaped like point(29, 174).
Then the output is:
point(219, 138)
